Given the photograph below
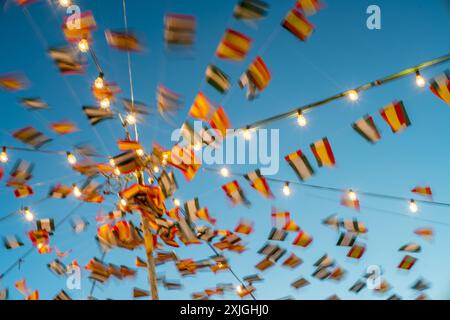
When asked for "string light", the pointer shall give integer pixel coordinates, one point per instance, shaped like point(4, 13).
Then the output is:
point(140, 152)
point(352, 195)
point(71, 158)
point(176, 202)
point(83, 45)
point(76, 191)
point(155, 169)
point(247, 134)
point(286, 189)
point(99, 83)
point(164, 162)
point(413, 206)
point(29, 216)
point(112, 163)
point(420, 80)
point(301, 119)
point(224, 172)
point(131, 119)
point(65, 3)
point(123, 202)
point(353, 95)
point(4, 156)
point(105, 103)
point(117, 172)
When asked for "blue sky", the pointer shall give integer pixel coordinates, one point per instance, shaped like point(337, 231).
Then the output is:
point(341, 54)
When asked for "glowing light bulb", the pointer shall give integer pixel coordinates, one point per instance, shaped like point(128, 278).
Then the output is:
point(123, 202)
point(105, 103)
point(112, 163)
point(176, 202)
point(239, 289)
point(140, 152)
point(286, 189)
point(76, 191)
point(71, 158)
point(301, 120)
point(155, 169)
point(224, 172)
point(247, 134)
point(164, 162)
point(131, 119)
point(4, 156)
point(420, 80)
point(65, 3)
point(83, 45)
point(117, 172)
point(413, 206)
point(197, 146)
point(99, 83)
point(353, 95)
point(352, 195)
point(29, 216)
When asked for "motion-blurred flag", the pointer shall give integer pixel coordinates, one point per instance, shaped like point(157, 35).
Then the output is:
point(109, 91)
point(22, 192)
point(185, 160)
point(303, 239)
point(179, 29)
point(12, 242)
point(282, 220)
point(67, 61)
point(233, 46)
point(32, 137)
point(277, 235)
point(79, 225)
point(96, 115)
point(293, 261)
point(127, 162)
point(300, 164)
point(34, 103)
point(331, 221)
point(202, 108)
point(125, 41)
point(127, 145)
point(139, 293)
point(4, 294)
point(423, 191)
point(356, 252)
point(440, 86)
point(323, 153)
point(217, 79)
point(367, 129)
point(396, 117)
point(324, 262)
point(300, 283)
point(220, 122)
point(62, 296)
point(426, 233)
point(250, 10)
point(244, 227)
point(358, 286)
point(354, 226)
point(33, 296)
point(346, 240)
point(234, 192)
point(167, 183)
point(190, 208)
point(76, 29)
point(60, 191)
point(407, 263)
point(46, 225)
point(420, 285)
point(20, 174)
point(309, 7)
point(135, 107)
point(259, 183)
point(297, 24)
point(57, 267)
point(64, 127)
point(410, 247)
point(13, 82)
point(256, 77)
point(168, 101)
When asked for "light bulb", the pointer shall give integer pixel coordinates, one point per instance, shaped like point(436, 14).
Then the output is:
point(112, 163)
point(420, 80)
point(140, 152)
point(286, 189)
point(117, 172)
point(83, 45)
point(65, 3)
point(131, 119)
point(301, 120)
point(99, 83)
point(105, 103)
point(197, 146)
point(224, 172)
point(247, 134)
point(413, 206)
point(176, 202)
point(353, 95)
point(155, 169)
point(352, 195)
point(4, 156)
point(29, 216)
point(71, 158)
point(164, 162)
point(76, 191)
point(123, 202)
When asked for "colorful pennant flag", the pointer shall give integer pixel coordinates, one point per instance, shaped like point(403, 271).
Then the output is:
point(395, 116)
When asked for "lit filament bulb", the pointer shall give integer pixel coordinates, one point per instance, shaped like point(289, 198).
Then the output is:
point(83, 45)
point(413, 206)
point(247, 134)
point(71, 158)
point(352, 195)
point(105, 103)
point(123, 202)
point(286, 189)
point(76, 191)
point(353, 95)
point(117, 172)
point(420, 80)
point(155, 169)
point(4, 156)
point(131, 119)
point(176, 202)
point(99, 83)
point(301, 120)
point(140, 152)
point(65, 3)
point(224, 172)
point(29, 216)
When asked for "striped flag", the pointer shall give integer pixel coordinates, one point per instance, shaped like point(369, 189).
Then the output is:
point(259, 74)
point(300, 283)
point(367, 129)
point(277, 235)
point(179, 29)
point(346, 240)
point(57, 267)
point(395, 116)
point(167, 183)
point(78, 29)
point(64, 127)
point(124, 41)
point(233, 46)
point(300, 164)
point(426, 233)
point(292, 261)
point(309, 7)
point(297, 24)
point(282, 220)
point(22, 192)
point(337, 274)
point(234, 192)
point(62, 296)
point(244, 227)
point(135, 107)
point(127, 145)
point(46, 225)
point(356, 252)
point(220, 122)
point(321, 273)
point(191, 207)
point(67, 61)
point(354, 226)
point(12, 242)
point(440, 86)
point(13, 82)
point(411, 247)
point(420, 285)
point(407, 263)
point(264, 264)
point(96, 115)
point(324, 262)
point(303, 239)
point(34, 103)
point(127, 162)
point(168, 101)
point(185, 160)
point(323, 153)
point(217, 79)
point(250, 10)
point(32, 137)
point(358, 286)
point(259, 183)
point(202, 108)
point(423, 191)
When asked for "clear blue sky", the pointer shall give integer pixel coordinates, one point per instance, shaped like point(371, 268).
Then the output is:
point(341, 54)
